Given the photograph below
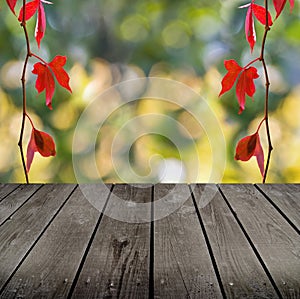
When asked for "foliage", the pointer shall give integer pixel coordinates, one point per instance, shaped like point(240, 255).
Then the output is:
point(250, 145)
point(45, 80)
point(39, 141)
point(244, 77)
point(110, 41)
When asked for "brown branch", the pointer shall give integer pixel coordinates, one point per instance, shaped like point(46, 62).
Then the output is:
point(267, 83)
point(23, 80)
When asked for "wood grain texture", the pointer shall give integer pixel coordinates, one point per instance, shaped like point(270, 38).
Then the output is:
point(15, 199)
point(51, 266)
point(58, 244)
point(6, 189)
point(276, 241)
point(117, 265)
point(19, 234)
point(286, 198)
point(182, 264)
point(241, 272)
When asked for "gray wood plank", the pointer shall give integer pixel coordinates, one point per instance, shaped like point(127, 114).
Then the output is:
point(14, 200)
point(6, 189)
point(276, 241)
point(241, 273)
point(182, 264)
point(117, 265)
point(49, 269)
point(287, 199)
point(19, 234)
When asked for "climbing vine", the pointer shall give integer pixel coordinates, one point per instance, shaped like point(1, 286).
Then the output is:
point(244, 77)
point(46, 73)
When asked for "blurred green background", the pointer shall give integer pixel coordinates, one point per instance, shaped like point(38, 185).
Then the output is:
point(107, 42)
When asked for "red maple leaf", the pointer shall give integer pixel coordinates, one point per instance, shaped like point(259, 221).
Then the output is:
point(279, 5)
point(245, 85)
point(12, 4)
point(45, 80)
point(244, 77)
point(30, 9)
point(39, 142)
point(260, 13)
point(248, 147)
point(61, 75)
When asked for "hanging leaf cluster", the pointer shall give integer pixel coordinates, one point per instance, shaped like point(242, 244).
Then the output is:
point(47, 74)
point(243, 78)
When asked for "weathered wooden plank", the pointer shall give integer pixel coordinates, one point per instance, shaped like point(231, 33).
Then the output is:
point(182, 264)
point(6, 189)
point(117, 265)
point(286, 197)
point(14, 200)
point(275, 240)
point(19, 234)
point(241, 273)
point(49, 269)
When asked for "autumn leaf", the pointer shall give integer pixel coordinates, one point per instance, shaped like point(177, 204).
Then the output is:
point(292, 4)
point(279, 5)
point(12, 4)
point(245, 84)
point(233, 71)
point(250, 29)
point(61, 75)
point(248, 147)
point(30, 9)
point(45, 79)
point(40, 24)
point(39, 142)
point(260, 13)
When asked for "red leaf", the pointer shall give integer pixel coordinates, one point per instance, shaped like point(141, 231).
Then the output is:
point(292, 3)
point(40, 27)
point(233, 71)
point(61, 75)
point(30, 10)
point(279, 6)
point(248, 147)
point(39, 142)
point(45, 78)
point(44, 81)
point(249, 28)
point(245, 85)
point(12, 4)
point(31, 149)
point(260, 14)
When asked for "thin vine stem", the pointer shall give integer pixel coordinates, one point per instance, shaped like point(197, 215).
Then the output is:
point(267, 83)
point(251, 62)
point(30, 120)
point(23, 80)
point(38, 57)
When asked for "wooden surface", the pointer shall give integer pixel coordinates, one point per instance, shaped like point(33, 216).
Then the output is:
point(143, 241)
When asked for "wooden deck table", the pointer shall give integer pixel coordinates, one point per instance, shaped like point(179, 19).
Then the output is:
point(195, 241)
